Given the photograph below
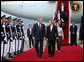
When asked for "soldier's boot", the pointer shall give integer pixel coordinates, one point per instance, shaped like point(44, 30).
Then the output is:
point(15, 53)
point(10, 55)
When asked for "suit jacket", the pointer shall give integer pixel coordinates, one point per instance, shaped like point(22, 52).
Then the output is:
point(28, 32)
point(38, 34)
point(73, 29)
point(81, 29)
point(64, 9)
point(64, 16)
point(56, 17)
point(52, 35)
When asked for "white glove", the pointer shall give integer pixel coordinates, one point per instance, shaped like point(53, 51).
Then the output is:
point(4, 26)
point(11, 38)
point(5, 39)
point(15, 37)
point(23, 37)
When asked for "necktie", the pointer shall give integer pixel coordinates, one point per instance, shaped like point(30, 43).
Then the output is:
point(39, 27)
point(30, 31)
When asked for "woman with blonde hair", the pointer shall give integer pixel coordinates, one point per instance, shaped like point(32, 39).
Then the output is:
point(61, 37)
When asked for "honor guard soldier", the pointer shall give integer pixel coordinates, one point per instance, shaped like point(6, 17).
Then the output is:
point(23, 36)
point(9, 37)
point(15, 35)
point(19, 36)
point(3, 39)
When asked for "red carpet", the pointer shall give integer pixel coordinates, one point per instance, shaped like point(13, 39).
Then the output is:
point(66, 30)
point(68, 53)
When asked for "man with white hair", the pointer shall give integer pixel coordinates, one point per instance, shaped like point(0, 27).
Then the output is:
point(39, 35)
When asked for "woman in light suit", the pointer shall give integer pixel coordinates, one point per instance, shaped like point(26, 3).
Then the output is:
point(61, 37)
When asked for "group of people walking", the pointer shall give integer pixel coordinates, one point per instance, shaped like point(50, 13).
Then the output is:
point(39, 35)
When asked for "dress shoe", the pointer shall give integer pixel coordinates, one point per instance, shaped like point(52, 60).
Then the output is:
point(52, 55)
point(37, 54)
point(22, 51)
point(15, 53)
point(59, 51)
point(56, 49)
point(10, 56)
point(40, 56)
point(49, 55)
point(4, 59)
point(43, 52)
point(18, 52)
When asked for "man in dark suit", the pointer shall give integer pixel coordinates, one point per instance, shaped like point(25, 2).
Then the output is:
point(62, 8)
point(81, 30)
point(63, 12)
point(60, 19)
point(52, 35)
point(39, 35)
point(58, 16)
point(73, 30)
point(29, 35)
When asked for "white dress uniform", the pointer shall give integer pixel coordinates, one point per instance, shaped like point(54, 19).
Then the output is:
point(11, 41)
point(20, 39)
point(2, 40)
point(2, 43)
point(17, 39)
point(5, 44)
point(15, 44)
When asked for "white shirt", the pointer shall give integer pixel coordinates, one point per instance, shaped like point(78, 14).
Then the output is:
point(73, 26)
point(62, 7)
point(60, 31)
point(30, 31)
point(51, 27)
point(59, 16)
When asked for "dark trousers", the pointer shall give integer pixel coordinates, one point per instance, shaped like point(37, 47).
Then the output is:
point(59, 43)
point(31, 41)
point(41, 46)
point(51, 43)
point(73, 40)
